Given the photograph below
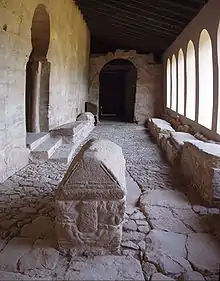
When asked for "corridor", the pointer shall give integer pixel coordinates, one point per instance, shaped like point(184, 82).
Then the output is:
point(163, 234)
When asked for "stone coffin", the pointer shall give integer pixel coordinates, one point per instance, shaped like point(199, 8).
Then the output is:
point(159, 128)
point(172, 146)
point(200, 165)
point(76, 131)
point(90, 201)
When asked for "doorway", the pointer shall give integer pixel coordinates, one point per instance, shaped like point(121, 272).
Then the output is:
point(117, 91)
point(38, 73)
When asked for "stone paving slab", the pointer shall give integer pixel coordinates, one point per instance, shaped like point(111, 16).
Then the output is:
point(105, 268)
point(10, 276)
point(203, 252)
point(13, 251)
point(168, 251)
point(165, 198)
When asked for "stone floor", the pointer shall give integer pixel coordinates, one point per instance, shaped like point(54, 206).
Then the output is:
point(165, 236)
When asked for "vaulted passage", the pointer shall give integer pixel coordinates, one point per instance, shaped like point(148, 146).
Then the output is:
point(117, 91)
point(110, 140)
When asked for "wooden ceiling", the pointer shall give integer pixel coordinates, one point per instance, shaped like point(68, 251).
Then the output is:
point(142, 25)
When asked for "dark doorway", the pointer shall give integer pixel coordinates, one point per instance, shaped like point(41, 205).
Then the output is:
point(117, 91)
point(38, 73)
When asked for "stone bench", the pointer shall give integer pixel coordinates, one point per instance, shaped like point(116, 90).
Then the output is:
point(172, 145)
point(90, 200)
point(200, 165)
point(159, 128)
point(76, 131)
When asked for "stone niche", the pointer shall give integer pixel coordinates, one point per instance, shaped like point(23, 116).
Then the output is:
point(90, 201)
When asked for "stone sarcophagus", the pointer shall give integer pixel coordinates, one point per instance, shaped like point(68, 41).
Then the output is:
point(90, 201)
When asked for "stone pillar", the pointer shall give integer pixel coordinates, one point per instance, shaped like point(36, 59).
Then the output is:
point(90, 201)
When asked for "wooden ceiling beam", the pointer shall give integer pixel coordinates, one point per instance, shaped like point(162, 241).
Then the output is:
point(136, 27)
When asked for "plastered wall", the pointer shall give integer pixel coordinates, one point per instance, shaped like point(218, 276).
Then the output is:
point(68, 55)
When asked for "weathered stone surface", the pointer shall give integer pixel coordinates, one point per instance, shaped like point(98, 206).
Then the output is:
point(191, 220)
point(213, 211)
point(90, 201)
point(130, 244)
point(203, 252)
point(10, 276)
point(42, 259)
point(133, 236)
point(130, 225)
point(137, 215)
point(191, 276)
point(14, 250)
point(172, 244)
point(2, 244)
point(164, 198)
point(86, 116)
point(201, 210)
point(105, 268)
point(131, 253)
point(167, 250)
point(144, 228)
point(148, 269)
point(42, 227)
point(178, 138)
point(133, 194)
point(172, 153)
point(202, 162)
point(28, 210)
point(160, 277)
point(94, 165)
point(162, 218)
point(169, 210)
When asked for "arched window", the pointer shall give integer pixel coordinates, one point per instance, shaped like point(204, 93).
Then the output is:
point(174, 85)
point(168, 84)
point(181, 90)
point(191, 81)
point(218, 40)
point(205, 80)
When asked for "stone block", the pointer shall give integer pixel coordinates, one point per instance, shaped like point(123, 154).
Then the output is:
point(200, 164)
point(104, 268)
point(76, 131)
point(90, 200)
point(158, 127)
point(86, 116)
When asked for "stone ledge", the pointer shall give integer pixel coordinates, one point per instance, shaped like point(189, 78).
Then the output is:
point(200, 165)
point(76, 131)
point(198, 161)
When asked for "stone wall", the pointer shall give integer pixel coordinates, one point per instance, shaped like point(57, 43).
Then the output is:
point(149, 90)
point(68, 55)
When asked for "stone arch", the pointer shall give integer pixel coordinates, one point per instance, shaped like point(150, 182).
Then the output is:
point(174, 83)
point(168, 84)
point(38, 73)
point(117, 89)
point(149, 82)
point(181, 82)
point(205, 80)
point(191, 81)
point(218, 54)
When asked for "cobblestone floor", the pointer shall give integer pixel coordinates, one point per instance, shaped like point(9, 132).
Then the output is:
point(164, 236)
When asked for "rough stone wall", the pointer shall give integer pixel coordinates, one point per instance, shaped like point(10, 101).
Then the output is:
point(68, 55)
point(149, 91)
